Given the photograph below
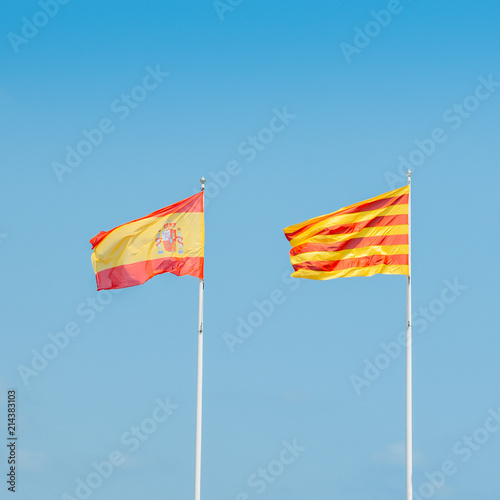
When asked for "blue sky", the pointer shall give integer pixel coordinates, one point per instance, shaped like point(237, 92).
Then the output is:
point(310, 401)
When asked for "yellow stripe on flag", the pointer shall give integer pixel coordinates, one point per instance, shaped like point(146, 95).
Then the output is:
point(350, 254)
point(136, 241)
point(350, 273)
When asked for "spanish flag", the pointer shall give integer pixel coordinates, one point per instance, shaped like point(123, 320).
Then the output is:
point(370, 237)
point(170, 240)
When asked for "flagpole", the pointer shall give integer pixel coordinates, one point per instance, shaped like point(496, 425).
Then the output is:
point(199, 380)
point(409, 432)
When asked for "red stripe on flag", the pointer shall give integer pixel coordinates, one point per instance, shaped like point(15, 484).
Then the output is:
point(368, 241)
point(362, 207)
point(337, 265)
point(381, 221)
point(374, 205)
point(140, 272)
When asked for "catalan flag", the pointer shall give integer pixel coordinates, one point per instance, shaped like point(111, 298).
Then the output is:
point(367, 238)
point(170, 240)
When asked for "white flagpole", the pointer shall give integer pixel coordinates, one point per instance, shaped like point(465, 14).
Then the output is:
point(199, 380)
point(409, 440)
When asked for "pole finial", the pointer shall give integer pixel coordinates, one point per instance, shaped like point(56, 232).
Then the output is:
point(408, 173)
point(203, 180)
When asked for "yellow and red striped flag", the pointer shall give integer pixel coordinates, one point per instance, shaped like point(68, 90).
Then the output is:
point(170, 240)
point(367, 238)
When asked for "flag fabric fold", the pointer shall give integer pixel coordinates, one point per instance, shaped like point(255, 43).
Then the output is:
point(367, 238)
point(170, 240)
